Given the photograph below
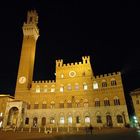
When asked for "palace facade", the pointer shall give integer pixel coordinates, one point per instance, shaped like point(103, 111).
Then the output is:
point(76, 98)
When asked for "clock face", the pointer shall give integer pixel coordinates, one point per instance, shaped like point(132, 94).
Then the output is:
point(72, 73)
point(22, 80)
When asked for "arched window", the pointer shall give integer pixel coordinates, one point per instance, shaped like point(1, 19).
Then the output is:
point(52, 105)
point(116, 101)
point(43, 122)
point(27, 121)
point(95, 85)
point(87, 119)
point(99, 119)
point(61, 104)
point(45, 88)
point(85, 86)
point(109, 120)
point(44, 105)
point(61, 88)
point(106, 102)
point(62, 120)
point(97, 102)
point(77, 103)
point(78, 120)
point(53, 88)
point(104, 83)
point(69, 87)
point(35, 122)
point(76, 86)
point(37, 89)
point(36, 106)
point(86, 103)
point(28, 106)
point(69, 104)
point(52, 120)
point(113, 82)
point(119, 119)
point(69, 119)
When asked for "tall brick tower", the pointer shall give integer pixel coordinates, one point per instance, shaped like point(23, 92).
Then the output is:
point(26, 65)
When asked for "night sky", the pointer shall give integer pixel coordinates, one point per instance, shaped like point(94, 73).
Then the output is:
point(108, 32)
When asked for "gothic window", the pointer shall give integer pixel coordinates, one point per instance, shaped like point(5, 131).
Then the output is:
point(69, 119)
point(69, 104)
point(43, 121)
point(37, 89)
point(104, 83)
point(78, 120)
point(27, 121)
point(86, 103)
point(116, 101)
point(45, 89)
point(95, 85)
point(85, 86)
point(62, 88)
point(99, 120)
point(36, 106)
point(52, 88)
point(69, 87)
point(44, 105)
point(52, 120)
point(106, 102)
point(97, 102)
point(76, 86)
point(113, 82)
point(35, 120)
point(77, 103)
point(119, 119)
point(87, 119)
point(61, 105)
point(52, 105)
point(28, 106)
point(62, 120)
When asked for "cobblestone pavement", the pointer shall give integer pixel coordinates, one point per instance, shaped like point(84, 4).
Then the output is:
point(104, 134)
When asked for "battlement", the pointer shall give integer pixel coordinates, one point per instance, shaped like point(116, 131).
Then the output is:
point(46, 81)
point(109, 74)
point(32, 17)
point(86, 60)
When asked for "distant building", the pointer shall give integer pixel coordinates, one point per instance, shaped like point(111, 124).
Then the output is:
point(76, 98)
point(135, 95)
point(4, 99)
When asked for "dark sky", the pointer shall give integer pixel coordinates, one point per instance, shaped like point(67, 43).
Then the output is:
point(108, 32)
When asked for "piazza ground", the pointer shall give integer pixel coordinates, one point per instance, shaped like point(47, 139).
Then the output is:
point(104, 134)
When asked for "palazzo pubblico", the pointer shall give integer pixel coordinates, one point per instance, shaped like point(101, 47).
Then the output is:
point(76, 98)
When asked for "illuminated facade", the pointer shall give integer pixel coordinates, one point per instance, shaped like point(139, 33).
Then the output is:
point(76, 98)
point(135, 95)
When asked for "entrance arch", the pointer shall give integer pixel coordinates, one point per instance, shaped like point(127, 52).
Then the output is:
point(13, 116)
point(109, 120)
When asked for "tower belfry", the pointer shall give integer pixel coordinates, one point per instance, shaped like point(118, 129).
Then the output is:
point(26, 65)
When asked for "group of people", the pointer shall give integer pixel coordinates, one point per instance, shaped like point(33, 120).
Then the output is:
point(89, 129)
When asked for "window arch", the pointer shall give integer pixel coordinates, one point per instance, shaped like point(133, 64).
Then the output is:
point(106, 102)
point(36, 105)
point(86, 103)
point(104, 83)
point(52, 105)
point(95, 85)
point(44, 105)
point(45, 88)
point(61, 104)
point(27, 121)
point(69, 104)
point(52, 88)
point(76, 86)
point(43, 121)
point(37, 89)
point(62, 88)
point(52, 120)
point(35, 120)
point(69, 119)
point(69, 87)
point(113, 82)
point(97, 102)
point(85, 86)
point(119, 119)
point(116, 101)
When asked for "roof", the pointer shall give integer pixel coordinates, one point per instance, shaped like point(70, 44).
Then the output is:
point(135, 92)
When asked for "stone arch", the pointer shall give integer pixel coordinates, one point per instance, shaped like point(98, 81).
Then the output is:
point(13, 116)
